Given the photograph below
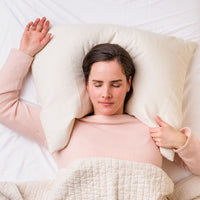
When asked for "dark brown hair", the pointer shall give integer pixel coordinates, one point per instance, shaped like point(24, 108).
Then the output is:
point(109, 52)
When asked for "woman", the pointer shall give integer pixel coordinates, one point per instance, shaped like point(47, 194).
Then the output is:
point(109, 72)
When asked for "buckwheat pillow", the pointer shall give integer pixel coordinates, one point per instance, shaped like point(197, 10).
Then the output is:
point(161, 64)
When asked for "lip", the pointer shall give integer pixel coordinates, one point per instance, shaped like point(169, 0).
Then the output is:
point(106, 103)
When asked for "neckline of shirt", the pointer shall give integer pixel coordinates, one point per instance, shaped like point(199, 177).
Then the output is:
point(109, 119)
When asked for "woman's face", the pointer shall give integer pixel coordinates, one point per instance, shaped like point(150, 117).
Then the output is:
point(107, 87)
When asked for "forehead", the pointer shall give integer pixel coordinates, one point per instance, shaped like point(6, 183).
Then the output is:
point(107, 68)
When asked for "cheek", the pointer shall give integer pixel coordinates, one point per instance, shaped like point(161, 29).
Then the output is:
point(93, 92)
point(120, 93)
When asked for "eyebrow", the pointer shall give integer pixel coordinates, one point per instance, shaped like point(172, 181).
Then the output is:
point(113, 81)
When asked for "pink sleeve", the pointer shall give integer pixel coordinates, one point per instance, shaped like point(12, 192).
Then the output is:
point(14, 113)
point(188, 156)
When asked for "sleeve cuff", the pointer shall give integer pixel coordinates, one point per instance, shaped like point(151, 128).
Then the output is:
point(187, 132)
point(20, 52)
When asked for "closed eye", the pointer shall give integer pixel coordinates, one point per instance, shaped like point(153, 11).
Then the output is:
point(116, 85)
point(97, 85)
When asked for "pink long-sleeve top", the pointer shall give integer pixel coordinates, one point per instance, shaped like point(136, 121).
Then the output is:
point(116, 136)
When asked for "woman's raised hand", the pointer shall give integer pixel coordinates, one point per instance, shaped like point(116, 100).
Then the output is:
point(35, 36)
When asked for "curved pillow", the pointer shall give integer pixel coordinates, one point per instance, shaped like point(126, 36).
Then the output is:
point(161, 64)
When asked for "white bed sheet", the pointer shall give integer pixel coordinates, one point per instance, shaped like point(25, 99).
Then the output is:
point(21, 159)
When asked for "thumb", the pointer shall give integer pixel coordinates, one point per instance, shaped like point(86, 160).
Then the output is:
point(160, 122)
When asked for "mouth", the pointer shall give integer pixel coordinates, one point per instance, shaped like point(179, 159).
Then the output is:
point(106, 103)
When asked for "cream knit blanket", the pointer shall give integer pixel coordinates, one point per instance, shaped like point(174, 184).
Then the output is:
point(95, 179)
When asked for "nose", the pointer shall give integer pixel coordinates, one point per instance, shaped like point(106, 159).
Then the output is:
point(106, 93)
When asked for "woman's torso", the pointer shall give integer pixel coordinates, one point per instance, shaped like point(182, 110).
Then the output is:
point(117, 136)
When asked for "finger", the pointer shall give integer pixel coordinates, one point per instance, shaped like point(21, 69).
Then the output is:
point(35, 24)
point(160, 122)
point(28, 26)
point(40, 24)
point(158, 140)
point(46, 39)
point(154, 129)
point(45, 28)
point(155, 135)
point(159, 144)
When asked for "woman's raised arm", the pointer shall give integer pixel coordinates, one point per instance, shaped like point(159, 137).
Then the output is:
point(14, 113)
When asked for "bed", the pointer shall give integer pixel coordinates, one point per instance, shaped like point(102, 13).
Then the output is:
point(22, 159)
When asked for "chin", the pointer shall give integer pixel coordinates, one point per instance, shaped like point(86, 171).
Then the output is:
point(109, 112)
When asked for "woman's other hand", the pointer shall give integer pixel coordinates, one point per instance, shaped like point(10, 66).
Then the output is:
point(166, 136)
point(35, 36)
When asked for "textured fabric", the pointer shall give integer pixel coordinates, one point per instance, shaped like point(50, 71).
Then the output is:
point(161, 63)
point(97, 178)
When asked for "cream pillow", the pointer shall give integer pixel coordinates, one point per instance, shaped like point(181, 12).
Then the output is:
point(161, 64)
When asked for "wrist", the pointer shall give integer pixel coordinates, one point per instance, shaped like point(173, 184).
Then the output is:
point(181, 141)
point(27, 52)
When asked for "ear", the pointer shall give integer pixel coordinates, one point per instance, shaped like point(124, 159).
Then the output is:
point(129, 84)
point(86, 85)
